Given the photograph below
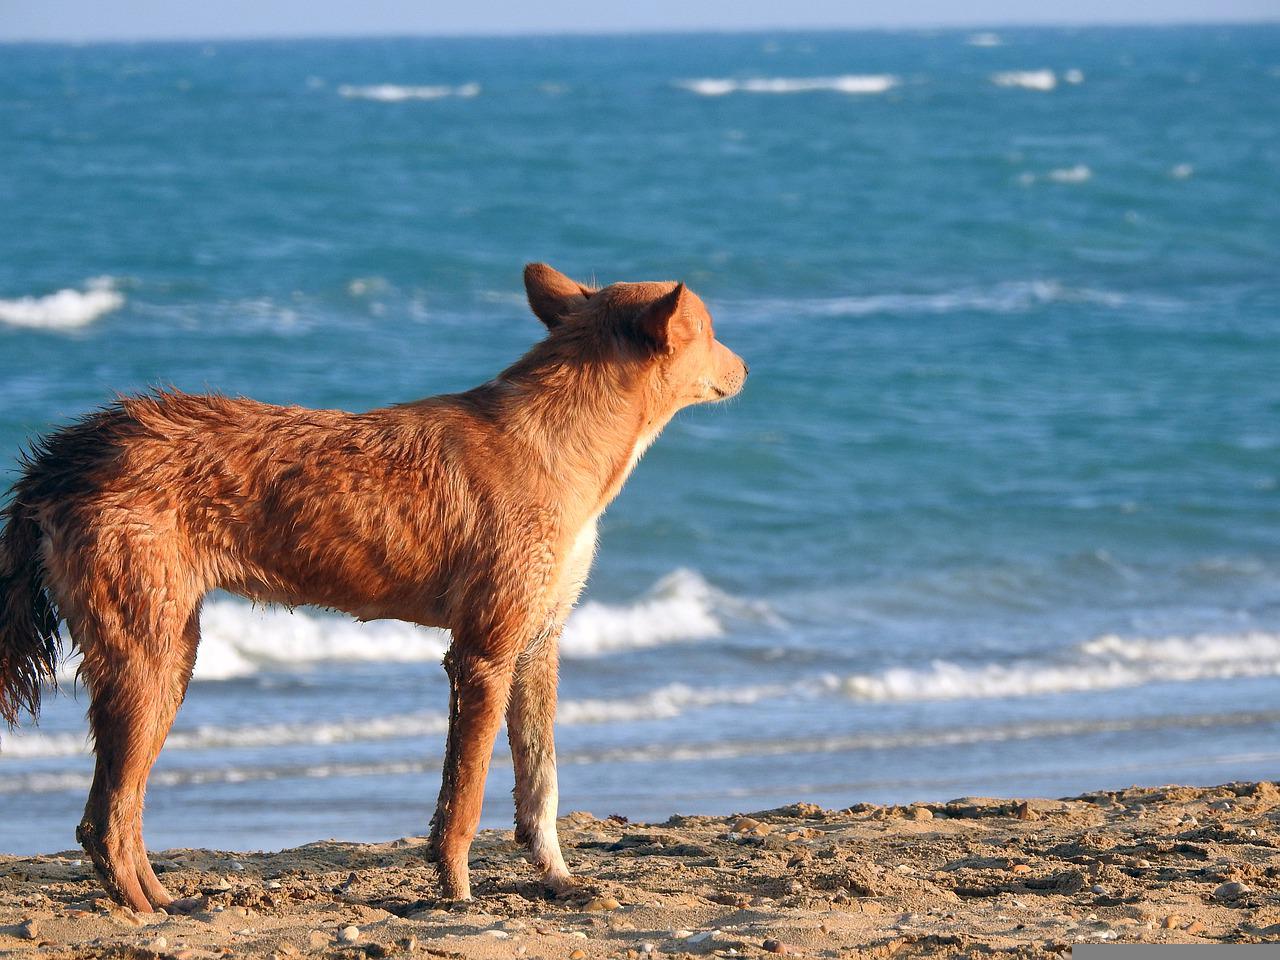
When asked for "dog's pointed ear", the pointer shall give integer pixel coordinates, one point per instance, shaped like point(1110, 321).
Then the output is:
point(552, 295)
point(665, 323)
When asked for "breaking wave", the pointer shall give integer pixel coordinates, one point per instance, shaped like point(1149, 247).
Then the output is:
point(847, 83)
point(395, 93)
point(64, 310)
point(240, 640)
point(663, 703)
point(1026, 79)
point(1010, 297)
point(1107, 662)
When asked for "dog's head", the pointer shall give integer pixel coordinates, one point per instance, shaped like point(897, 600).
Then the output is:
point(664, 327)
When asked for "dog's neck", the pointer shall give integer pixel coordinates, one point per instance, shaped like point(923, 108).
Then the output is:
point(587, 424)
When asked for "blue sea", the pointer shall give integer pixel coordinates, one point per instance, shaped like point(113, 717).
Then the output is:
point(998, 512)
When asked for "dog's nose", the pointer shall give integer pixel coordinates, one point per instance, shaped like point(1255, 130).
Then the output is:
point(746, 368)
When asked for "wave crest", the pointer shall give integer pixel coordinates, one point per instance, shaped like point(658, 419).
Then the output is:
point(848, 83)
point(240, 640)
point(1026, 79)
point(396, 93)
point(1107, 662)
point(64, 310)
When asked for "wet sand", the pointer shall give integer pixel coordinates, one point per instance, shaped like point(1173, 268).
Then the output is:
point(1023, 878)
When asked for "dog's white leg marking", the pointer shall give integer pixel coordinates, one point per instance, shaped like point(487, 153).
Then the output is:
point(530, 725)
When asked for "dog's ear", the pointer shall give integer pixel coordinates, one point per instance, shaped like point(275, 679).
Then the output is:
point(552, 295)
point(666, 323)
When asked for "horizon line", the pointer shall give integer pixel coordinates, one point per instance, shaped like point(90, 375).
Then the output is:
point(673, 31)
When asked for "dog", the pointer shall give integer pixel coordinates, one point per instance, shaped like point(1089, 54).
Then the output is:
point(473, 511)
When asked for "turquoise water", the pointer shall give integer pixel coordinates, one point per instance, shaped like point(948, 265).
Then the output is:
point(997, 512)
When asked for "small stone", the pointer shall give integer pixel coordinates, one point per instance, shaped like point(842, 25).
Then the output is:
point(1171, 922)
point(679, 934)
point(601, 904)
point(349, 934)
point(29, 930)
point(318, 940)
point(156, 943)
point(920, 813)
point(236, 865)
point(1020, 868)
point(647, 947)
point(497, 934)
point(774, 946)
point(578, 954)
point(1195, 927)
point(1231, 890)
point(750, 826)
point(1099, 889)
point(274, 884)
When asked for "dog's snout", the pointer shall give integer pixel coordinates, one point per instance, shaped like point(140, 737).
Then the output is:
point(746, 368)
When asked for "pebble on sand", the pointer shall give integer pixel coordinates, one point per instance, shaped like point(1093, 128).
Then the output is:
point(1231, 890)
point(29, 930)
point(775, 946)
point(349, 934)
point(578, 954)
point(750, 826)
point(600, 904)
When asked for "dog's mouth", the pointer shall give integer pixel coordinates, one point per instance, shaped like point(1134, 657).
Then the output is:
point(720, 394)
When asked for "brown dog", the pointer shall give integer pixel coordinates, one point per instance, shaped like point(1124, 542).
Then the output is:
point(474, 511)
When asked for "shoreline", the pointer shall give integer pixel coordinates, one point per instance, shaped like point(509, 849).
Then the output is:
point(1028, 877)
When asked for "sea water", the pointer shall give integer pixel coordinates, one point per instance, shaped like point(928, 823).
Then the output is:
point(998, 512)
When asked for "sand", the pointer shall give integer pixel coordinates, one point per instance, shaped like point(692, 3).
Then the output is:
point(970, 878)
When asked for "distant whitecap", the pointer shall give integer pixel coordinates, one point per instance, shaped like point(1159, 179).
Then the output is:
point(846, 83)
point(65, 309)
point(395, 93)
point(984, 40)
point(1026, 79)
point(1077, 174)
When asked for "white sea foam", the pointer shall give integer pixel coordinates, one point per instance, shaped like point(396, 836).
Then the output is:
point(65, 309)
point(1026, 79)
point(984, 40)
point(1104, 663)
point(1077, 174)
point(239, 640)
point(847, 83)
point(1073, 76)
point(395, 93)
point(1016, 296)
point(663, 703)
point(1181, 171)
point(45, 781)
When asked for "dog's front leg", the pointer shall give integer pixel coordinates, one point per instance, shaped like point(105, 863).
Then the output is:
point(530, 727)
point(479, 686)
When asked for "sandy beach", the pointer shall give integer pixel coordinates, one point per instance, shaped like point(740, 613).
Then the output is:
point(974, 876)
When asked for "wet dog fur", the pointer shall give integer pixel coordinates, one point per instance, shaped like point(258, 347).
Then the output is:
point(473, 511)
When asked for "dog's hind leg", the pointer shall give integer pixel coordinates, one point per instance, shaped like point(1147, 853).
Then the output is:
point(530, 726)
point(479, 685)
point(136, 682)
point(178, 664)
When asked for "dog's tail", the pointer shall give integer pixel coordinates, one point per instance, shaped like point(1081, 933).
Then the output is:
point(29, 644)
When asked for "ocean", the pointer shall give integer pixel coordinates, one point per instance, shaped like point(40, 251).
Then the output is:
point(998, 512)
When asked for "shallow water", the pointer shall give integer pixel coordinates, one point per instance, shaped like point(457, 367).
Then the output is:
point(996, 514)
